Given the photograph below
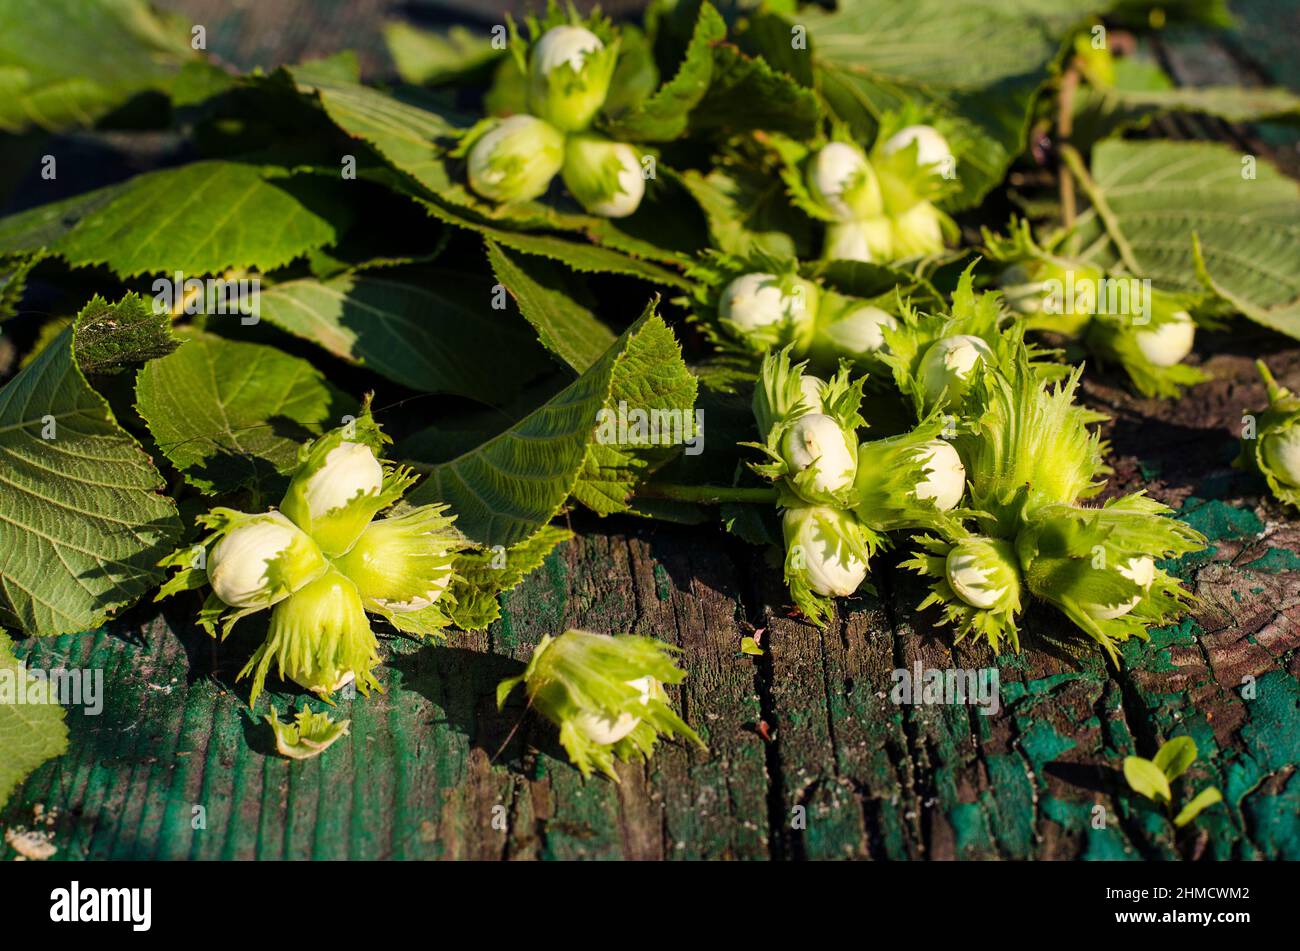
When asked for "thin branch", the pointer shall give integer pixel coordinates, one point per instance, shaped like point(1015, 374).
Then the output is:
point(1065, 129)
point(1099, 204)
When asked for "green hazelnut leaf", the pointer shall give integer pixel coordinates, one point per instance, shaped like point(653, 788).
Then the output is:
point(429, 58)
point(554, 304)
point(413, 138)
point(748, 211)
point(481, 576)
point(746, 94)
point(636, 74)
point(1147, 779)
point(1175, 756)
point(168, 221)
point(29, 232)
point(1203, 800)
point(577, 255)
point(14, 269)
point(82, 520)
point(112, 337)
point(66, 63)
point(665, 115)
point(1235, 104)
point(1139, 91)
point(1192, 215)
point(132, 220)
point(48, 333)
point(513, 484)
point(232, 415)
point(30, 733)
point(434, 331)
point(648, 375)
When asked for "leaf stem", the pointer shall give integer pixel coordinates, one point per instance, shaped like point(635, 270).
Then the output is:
point(706, 494)
point(1100, 205)
point(1065, 129)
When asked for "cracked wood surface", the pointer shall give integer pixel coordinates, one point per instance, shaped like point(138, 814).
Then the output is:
point(808, 757)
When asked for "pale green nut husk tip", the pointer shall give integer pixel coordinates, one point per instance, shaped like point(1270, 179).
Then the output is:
point(821, 539)
point(916, 232)
point(403, 564)
point(515, 160)
point(949, 366)
point(766, 311)
point(1282, 454)
point(868, 240)
point(1141, 571)
point(983, 572)
point(569, 73)
point(320, 638)
point(604, 176)
point(856, 332)
point(1169, 342)
point(841, 180)
point(932, 148)
point(605, 694)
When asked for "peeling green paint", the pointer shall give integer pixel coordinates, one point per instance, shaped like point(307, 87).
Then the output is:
point(1011, 804)
point(1215, 518)
point(1036, 689)
point(1042, 743)
point(970, 827)
point(1274, 561)
point(663, 584)
point(1275, 820)
point(1272, 734)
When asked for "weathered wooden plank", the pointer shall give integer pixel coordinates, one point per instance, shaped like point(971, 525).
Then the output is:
point(822, 690)
point(431, 768)
point(682, 806)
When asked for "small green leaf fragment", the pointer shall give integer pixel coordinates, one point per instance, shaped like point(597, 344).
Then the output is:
point(231, 414)
point(482, 576)
point(307, 735)
point(750, 646)
point(1175, 756)
point(112, 337)
point(1204, 799)
point(1147, 779)
point(30, 733)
